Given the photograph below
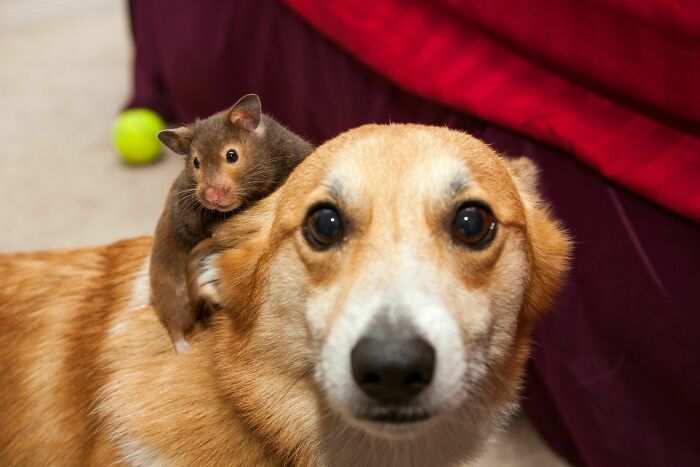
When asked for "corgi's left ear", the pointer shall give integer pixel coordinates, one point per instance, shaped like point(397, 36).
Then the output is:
point(549, 243)
point(246, 113)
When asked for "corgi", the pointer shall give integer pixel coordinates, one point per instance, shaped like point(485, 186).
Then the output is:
point(375, 310)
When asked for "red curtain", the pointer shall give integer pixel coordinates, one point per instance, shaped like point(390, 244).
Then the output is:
point(616, 83)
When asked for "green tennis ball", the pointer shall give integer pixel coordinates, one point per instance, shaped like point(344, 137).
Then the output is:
point(135, 136)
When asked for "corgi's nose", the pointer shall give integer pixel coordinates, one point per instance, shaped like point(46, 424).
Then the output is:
point(392, 368)
point(214, 193)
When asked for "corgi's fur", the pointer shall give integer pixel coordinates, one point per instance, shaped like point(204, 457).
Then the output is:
point(88, 372)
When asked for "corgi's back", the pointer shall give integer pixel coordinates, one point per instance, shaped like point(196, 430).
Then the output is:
point(55, 307)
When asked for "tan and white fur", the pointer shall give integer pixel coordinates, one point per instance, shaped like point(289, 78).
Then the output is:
point(89, 376)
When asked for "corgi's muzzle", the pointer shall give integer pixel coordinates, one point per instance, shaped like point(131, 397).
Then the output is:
point(394, 371)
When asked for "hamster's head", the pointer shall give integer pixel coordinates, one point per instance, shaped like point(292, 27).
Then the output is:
point(223, 156)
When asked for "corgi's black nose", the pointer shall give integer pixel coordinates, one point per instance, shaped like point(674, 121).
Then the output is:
point(392, 368)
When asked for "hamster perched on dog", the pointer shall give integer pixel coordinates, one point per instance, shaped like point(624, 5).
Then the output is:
point(233, 158)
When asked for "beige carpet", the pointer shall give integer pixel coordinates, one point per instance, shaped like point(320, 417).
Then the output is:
point(63, 78)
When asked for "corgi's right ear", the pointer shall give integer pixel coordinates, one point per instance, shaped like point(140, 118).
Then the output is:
point(549, 242)
point(177, 140)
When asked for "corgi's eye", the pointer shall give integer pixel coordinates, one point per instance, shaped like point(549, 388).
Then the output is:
point(474, 225)
point(231, 156)
point(323, 227)
point(196, 163)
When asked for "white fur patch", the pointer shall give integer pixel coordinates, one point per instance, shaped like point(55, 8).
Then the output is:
point(435, 324)
point(181, 345)
point(335, 370)
point(141, 287)
point(136, 454)
point(208, 278)
point(446, 176)
point(140, 298)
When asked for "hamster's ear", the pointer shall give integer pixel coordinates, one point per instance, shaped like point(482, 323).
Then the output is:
point(246, 112)
point(177, 140)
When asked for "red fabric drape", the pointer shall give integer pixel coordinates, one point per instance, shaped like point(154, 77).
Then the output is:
point(614, 82)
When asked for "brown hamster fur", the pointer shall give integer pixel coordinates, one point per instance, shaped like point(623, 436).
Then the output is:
point(233, 158)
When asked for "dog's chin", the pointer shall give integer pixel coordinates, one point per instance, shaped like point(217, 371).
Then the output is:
point(402, 422)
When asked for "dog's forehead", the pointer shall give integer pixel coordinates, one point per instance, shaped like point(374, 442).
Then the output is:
point(419, 162)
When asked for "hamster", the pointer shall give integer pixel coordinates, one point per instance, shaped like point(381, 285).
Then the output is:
point(232, 158)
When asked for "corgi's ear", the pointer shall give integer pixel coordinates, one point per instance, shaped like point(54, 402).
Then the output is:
point(525, 174)
point(549, 243)
point(177, 140)
point(246, 113)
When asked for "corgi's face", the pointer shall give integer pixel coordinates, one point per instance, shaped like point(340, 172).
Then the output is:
point(394, 277)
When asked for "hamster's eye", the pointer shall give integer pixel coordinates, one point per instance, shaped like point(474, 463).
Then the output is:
point(231, 156)
point(323, 227)
point(196, 163)
point(474, 225)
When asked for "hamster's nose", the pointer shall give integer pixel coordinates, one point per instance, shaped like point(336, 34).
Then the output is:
point(214, 193)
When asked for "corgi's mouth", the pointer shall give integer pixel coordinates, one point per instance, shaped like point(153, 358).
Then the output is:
point(398, 422)
point(395, 415)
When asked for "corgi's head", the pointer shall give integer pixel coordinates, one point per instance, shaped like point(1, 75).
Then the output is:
point(377, 307)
